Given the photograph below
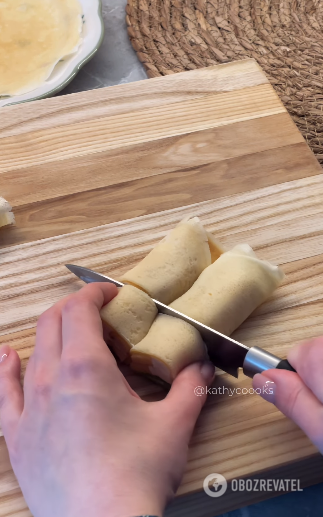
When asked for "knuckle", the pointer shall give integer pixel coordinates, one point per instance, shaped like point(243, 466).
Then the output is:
point(40, 383)
point(89, 290)
point(46, 316)
point(75, 368)
point(90, 287)
point(71, 304)
point(42, 389)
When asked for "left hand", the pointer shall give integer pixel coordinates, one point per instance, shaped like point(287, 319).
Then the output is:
point(81, 441)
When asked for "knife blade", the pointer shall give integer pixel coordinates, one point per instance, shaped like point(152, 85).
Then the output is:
point(225, 353)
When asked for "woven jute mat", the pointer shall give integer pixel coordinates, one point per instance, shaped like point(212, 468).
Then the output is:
point(284, 36)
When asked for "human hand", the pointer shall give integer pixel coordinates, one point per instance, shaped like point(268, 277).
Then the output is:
point(299, 395)
point(81, 441)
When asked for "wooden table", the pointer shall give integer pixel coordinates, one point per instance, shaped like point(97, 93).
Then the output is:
point(97, 178)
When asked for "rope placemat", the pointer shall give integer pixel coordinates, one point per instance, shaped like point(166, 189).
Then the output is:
point(284, 36)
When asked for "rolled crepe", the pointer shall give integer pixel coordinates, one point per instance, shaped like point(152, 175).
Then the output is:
point(170, 345)
point(229, 290)
point(127, 319)
point(6, 216)
point(216, 249)
point(172, 267)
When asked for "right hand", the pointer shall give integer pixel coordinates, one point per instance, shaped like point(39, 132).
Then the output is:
point(299, 395)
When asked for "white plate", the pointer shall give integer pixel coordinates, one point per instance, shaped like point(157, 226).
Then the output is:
point(66, 70)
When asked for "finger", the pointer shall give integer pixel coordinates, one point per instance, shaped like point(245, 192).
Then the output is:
point(81, 322)
point(11, 394)
point(43, 364)
point(49, 332)
point(186, 398)
point(307, 359)
point(293, 398)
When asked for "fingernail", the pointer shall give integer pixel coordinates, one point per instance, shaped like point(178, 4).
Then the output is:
point(4, 352)
point(264, 387)
point(208, 371)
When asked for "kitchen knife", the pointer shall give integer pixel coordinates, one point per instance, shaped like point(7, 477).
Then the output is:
point(224, 352)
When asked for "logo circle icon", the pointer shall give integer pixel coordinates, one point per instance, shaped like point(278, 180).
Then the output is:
point(215, 485)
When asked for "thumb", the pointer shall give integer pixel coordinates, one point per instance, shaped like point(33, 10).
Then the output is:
point(11, 394)
point(188, 394)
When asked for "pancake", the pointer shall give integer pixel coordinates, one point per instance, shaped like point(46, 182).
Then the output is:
point(170, 345)
point(34, 36)
point(127, 319)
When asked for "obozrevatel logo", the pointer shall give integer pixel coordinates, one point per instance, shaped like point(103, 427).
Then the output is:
point(215, 485)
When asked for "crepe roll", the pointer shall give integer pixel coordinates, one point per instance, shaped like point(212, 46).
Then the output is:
point(170, 345)
point(127, 319)
point(216, 248)
point(172, 267)
point(229, 290)
point(6, 216)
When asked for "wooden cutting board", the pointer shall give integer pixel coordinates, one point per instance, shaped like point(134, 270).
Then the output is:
point(97, 178)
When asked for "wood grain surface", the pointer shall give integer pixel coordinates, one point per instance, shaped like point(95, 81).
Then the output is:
point(98, 178)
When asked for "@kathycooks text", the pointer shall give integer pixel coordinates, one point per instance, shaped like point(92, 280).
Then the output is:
point(224, 390)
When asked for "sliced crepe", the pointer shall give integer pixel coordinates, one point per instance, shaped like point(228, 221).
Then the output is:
point(34, 36)
point(229, 290)
point(6, 216)
point(170, 345)
point(172, 267)
point(127, 319)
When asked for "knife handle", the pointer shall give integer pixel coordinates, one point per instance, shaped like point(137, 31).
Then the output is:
point(285, 365)
point(258, 360)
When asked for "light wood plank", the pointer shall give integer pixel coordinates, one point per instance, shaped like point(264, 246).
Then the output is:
point(275, 331)
point(116, 100)
point(130, 128)
point(283, 223)
point(202, 152)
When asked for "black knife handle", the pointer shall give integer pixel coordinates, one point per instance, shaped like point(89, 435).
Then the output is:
point(258, 360)
point(285, 365)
